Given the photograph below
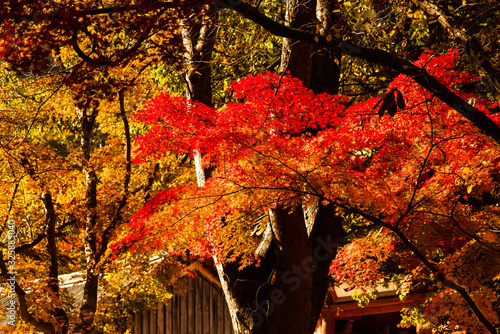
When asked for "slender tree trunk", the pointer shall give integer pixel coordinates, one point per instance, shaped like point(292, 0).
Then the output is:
point(53, 284)
point(198, 41)
point(96, 242)
point(90, 289)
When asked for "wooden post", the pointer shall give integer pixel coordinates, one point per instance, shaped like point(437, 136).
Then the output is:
point(145, 322)
point(137, 320)
point(152, 322)
point(161, 318)
point(328, 321)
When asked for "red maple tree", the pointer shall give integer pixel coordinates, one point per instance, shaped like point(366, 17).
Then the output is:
point(422, 172)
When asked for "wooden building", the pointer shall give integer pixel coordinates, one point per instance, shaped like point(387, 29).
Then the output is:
point(202, 309)
point(381, 316)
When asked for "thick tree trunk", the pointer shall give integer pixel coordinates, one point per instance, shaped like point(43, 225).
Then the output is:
point(286, 292)
point(297, 56)
point(317, 67)
point(325, 71)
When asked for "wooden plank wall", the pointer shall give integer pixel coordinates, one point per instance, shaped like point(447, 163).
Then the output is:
point(202, 310)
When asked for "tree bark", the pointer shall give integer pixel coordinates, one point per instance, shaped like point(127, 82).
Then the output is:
point(296, 56)
point(325, 71)
point(90, 289)
point(316, 66)
point(198, 41)
point(286, 292)
point(51, 217)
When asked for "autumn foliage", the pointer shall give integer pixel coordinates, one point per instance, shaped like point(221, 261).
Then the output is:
point(425, 175)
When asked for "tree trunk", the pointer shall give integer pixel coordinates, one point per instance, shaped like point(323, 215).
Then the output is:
point(317, 67)
point(286, 292)
point(90, 289)
point(297, 56)
point(198, 41)
point(325, 71)
point(59, 313)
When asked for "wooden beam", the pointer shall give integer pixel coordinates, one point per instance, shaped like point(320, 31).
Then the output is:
point(378, 306)
point(205, 273)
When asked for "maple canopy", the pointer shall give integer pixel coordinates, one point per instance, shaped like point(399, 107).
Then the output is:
point(97, 46)
point(425, 174)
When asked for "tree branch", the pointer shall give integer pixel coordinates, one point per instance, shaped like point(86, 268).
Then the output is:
point(42, 236)
point(42, 326)
point(475, 116)
point(476, 53)
point(423, 259)
point(77, 49)
point(89, 304)
point(128, 171)
point(14, 192)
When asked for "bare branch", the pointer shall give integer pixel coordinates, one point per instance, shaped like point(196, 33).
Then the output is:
point(128, 171)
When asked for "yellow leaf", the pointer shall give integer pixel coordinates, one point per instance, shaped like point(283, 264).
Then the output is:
point(469, 189)
point(316, 39)
point(418, 14)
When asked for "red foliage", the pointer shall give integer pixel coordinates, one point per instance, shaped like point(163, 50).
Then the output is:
point(91, 38)
point(281, 141)
point(422, 172)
